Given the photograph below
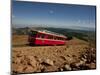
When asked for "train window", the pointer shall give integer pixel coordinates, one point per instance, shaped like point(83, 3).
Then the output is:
point(50, 37)
point(58, 38)
point(46, 36)
point(39, 35)
point(33, 33)
point(62, 38)
point(54, 37)
point(42, 35)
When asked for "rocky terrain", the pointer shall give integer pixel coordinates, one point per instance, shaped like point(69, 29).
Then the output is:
point(75, 55)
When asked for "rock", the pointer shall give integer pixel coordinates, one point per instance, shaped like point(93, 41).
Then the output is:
point(17, 60)
point(64, 58)
point(61, 69)
point(19, 55)
point(80, 63)
point(85, 56)
point(92, 49)
point(83, 59)
point(73, 65)
point(31, 61)
point(29, 69)
point(94, 61)
point(48, 62)
point(17, 68)
point(39, 60)
point(75, 69)
point(68, 56)
point(92, 66)
point(73, 56)
point(70, 59)
point(77, 64)
point(24, 62)
point(67, 67)
point(43, 70)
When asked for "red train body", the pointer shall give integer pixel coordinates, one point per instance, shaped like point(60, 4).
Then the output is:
point(46, 38)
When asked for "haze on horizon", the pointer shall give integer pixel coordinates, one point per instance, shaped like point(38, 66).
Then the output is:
point(52, 15)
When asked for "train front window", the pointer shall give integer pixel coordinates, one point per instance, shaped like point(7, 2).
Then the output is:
point(32, 33)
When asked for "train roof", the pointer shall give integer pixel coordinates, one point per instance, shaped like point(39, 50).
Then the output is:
point(50, 32)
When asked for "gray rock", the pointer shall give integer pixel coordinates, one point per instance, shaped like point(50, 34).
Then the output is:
point(61, 69)
point(85, 56)
point(79, 63)
point(83, 59)
point(29, 69)
point(31, 61)
point(64, 58)
point(92, 66)
point(48, 62)
point(67, 67)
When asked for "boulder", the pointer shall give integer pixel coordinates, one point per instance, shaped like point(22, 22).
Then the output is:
point(67, 67)
point(29, 69)
point(31, 61)
point(17, 68)
point(92, 66)
point(79, 63)
point(83, 59)
point(48, 62)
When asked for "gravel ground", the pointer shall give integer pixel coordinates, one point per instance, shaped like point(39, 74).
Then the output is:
point(75, 55)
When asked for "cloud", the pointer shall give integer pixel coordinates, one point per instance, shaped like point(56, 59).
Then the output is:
point(51, 11)
point(79, 21)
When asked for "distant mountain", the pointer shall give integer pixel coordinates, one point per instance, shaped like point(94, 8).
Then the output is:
point(48, 26)
point(81, 28)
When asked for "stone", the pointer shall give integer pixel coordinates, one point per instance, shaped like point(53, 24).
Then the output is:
point(83, 59)
point(61, 69)
point(29, 69)
point(17, 60)
point(67, 67)
point(17, 68)
point(31, 61)
point(92, 65)
point(79, 63)
point(48, 62)
point(64, 58)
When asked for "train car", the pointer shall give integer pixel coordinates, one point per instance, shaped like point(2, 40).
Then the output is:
point(45, 37)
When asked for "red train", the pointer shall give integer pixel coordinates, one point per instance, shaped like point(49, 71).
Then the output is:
point(46, 38)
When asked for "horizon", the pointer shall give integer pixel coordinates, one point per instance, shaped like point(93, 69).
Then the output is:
point(75, 28)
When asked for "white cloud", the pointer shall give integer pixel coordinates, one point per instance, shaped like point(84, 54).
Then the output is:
point(51, 11)
point(79, 21)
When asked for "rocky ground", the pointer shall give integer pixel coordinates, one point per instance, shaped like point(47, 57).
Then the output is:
point(75, 55)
